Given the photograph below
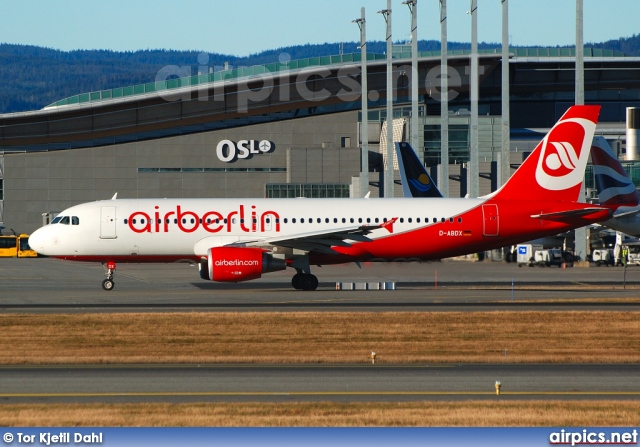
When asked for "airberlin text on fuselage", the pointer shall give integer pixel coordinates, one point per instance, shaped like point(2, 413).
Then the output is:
point(210, 221)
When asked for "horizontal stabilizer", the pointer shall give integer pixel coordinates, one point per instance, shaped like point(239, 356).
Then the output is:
point(561, 216)
point(626, 213)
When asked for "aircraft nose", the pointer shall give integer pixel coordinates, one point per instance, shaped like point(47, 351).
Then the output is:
point(38, 240)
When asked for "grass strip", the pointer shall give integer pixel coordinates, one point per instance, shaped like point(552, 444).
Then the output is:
point(326, 414)
point(321, 337)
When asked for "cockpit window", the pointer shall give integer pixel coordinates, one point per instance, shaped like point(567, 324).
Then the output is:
point(66, 220)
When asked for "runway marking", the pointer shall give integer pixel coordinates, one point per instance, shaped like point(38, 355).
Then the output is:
point(325, 393)
point(220, 366)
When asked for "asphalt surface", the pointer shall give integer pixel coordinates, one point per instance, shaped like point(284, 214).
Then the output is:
point(288, 383)
point(50, 285)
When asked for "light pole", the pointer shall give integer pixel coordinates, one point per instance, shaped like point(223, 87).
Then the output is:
point(388, 172)
point(413, 8)
point(473, 169)
point(443, 172)
point(364, 124)
point(505, 168)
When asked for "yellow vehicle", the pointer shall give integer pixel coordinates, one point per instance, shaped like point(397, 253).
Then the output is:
point(16, 246)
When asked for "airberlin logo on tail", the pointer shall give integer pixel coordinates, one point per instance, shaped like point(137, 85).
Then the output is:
point(564, 154)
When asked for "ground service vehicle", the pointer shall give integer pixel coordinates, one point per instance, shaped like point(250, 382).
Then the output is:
point(12, 246)
point(548, 258)
point(603, 256)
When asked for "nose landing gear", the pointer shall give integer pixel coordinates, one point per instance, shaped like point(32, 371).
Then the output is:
point(108, 284)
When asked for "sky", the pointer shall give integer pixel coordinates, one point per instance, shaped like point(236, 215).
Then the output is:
point(246, 27)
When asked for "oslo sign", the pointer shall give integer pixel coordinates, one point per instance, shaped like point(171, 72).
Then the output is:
point(229, 152)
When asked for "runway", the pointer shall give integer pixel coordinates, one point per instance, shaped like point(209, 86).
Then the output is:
point(287, 383)
point(50, 285)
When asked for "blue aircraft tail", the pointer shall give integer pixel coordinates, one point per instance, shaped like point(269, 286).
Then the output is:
point(416, 181)
point(613, 184)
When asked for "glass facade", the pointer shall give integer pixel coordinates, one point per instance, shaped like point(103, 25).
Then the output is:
point(162, 170)
point(309, 190)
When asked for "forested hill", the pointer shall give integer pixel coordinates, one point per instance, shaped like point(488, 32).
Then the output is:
point(32, 77)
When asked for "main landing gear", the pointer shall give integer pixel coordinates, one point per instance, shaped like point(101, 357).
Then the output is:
point(304, 281)
point(108, 284)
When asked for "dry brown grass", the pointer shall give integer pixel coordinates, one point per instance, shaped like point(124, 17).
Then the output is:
point(325, 414)
point(321, 337)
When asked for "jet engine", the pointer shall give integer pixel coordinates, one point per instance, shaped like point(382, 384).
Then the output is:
point(235, 264)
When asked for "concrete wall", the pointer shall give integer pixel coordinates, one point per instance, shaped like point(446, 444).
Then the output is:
point(36, 183)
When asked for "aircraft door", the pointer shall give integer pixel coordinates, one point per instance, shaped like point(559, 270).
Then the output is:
point(491, 224)
point(108, 222)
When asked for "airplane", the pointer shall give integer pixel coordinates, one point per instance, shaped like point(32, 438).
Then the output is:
point(236, 240)
point(615, 189)
point(416, 181)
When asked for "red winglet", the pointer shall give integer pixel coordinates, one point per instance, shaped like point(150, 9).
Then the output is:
point(388, 225)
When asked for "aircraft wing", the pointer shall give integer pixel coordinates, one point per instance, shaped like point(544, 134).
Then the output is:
point(322, 241)
point(561, 216)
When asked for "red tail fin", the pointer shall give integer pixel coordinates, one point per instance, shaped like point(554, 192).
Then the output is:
point(555, 168)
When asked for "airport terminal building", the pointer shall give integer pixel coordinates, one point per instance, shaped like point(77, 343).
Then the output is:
point(289, 129)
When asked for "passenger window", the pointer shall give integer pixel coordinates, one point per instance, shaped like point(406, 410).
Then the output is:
point(376, 220)
point(344, 220)
point(442, 220)
point(409, 220)
point(293, 220)
point(402, 220)
point(435, 220)
point(351, 220)
point(451, 219)
point(302, 220)
point(459, 219)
